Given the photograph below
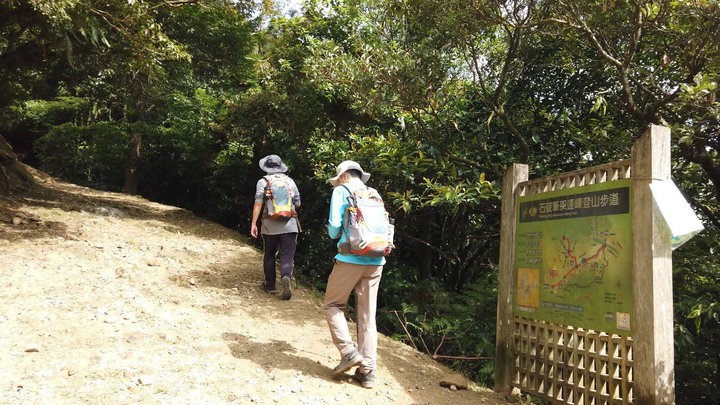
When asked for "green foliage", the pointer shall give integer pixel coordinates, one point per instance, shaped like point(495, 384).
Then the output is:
point(217, 31)
point(435, 98)
point(42, 114)
point(697, 318)
point(90, 155)
point(456, 329)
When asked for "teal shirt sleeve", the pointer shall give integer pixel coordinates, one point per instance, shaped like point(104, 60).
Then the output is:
point(338, 205)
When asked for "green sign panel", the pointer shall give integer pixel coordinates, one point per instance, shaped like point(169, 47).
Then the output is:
point(573, 257)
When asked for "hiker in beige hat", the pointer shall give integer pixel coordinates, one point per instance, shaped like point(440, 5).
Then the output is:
point(352, 273)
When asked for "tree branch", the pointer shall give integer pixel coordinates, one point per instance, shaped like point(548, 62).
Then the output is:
point(439, 357)
point(426, 244)
point(407, 333)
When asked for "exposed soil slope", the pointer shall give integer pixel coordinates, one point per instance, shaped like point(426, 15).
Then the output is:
point(109, 298)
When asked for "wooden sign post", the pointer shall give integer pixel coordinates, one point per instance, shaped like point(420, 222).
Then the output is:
point(654, 362)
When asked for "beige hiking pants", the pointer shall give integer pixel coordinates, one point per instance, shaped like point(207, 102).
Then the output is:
point(364, 281)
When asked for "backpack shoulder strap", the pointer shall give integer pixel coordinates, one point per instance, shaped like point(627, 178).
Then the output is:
point(351, 192)
point(352, 197)
point(268, 180)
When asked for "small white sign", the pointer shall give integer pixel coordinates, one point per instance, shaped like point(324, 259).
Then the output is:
point(622, 320)
point(678, 214)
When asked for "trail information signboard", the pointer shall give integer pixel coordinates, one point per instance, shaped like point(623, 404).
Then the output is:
point(573, 257)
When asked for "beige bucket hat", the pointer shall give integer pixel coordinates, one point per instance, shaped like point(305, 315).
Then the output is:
point(345, 166)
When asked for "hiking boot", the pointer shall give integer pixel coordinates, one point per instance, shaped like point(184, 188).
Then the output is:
point(271, 290)
point(348, 362)
point(286, 289)
point(366, 380)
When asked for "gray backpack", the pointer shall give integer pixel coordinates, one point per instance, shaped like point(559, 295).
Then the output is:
point(368, 228)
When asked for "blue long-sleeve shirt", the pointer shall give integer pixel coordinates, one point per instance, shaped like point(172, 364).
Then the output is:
point(336, 219)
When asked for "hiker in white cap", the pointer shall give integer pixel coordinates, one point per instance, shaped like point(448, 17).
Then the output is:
point(277, 198)
point(352, 273)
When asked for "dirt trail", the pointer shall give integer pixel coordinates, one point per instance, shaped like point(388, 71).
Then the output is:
point(112, 299)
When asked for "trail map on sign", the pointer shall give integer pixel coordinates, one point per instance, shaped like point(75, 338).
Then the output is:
point(574, 257)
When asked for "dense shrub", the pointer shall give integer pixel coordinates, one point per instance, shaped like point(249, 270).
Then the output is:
point(91, 155)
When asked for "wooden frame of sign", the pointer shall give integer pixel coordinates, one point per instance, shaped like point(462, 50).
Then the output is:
point(572, 364)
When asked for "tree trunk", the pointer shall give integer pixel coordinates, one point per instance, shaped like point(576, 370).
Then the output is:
point(12, 174)
point(131, 164)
